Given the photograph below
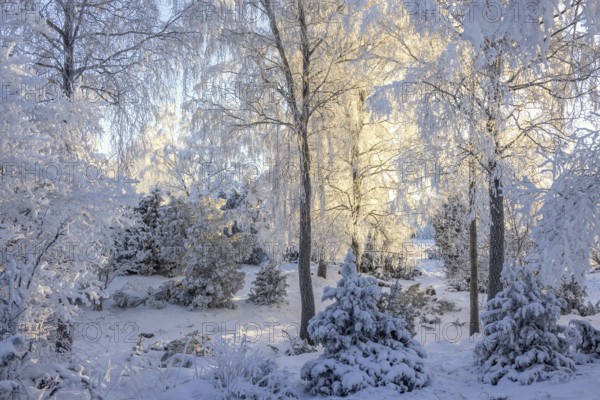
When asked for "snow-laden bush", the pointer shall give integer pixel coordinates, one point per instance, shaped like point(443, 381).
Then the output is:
point(151, 240)
point(269, 287)
point(193, 343)
point(122, 299)
point(584, 338)
point(572, 292)
point(297, 345)
point(212, 276)
point(363, 346)
point(384, 261)
point(521, 336)
point(239, 374)
point(397, 305)
point(13, 351)
point(415, 306)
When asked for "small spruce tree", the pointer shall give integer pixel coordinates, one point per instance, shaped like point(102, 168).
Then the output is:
point(363, 347)
point(269, 287)
point(521, 336)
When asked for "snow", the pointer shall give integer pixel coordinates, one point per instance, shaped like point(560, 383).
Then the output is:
point(450, 361)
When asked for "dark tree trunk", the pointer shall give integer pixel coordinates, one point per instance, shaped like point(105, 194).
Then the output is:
point(356, 249)
point(68, 72)
point(306, 290)
point(496, 232)
point(474, 317)
point(300, 110)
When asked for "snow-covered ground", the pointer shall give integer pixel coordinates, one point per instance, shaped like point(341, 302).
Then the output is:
point(107, 339)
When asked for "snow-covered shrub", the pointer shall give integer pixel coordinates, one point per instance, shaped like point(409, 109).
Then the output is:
point(269, 287)
point(586, 310)
point(297, 345)
point(123, 299)
point(386, 265)
point(584, 337)
point(54, 217)
point(153, 302)
point(463, 283)
point(212, 276)
point(521, 336)
point(151, 240)
point(13, 352)
point(395, 304)
point(257, 255)
point(238, 374)
point(427, 308)
point(595, 259)
point(573, 293)
point(174, 292)
point(175, 217)
point(193, 343)
point(59, 381)
point(380, 260)
point(363, 346)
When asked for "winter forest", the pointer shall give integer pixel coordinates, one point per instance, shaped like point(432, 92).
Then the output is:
point(299, 199)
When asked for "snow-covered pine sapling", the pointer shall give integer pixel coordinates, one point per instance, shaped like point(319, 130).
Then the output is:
point(269, 287)
point(356, 336)
point(521, 336)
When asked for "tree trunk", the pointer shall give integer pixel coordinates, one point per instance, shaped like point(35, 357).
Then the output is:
point(357, 188)
point(494, 99)
point(300, 111)
point(496, 232)
point(322, 271)
point(306, 290)
point(356, 249)
point(68, 71)
point(474, 318)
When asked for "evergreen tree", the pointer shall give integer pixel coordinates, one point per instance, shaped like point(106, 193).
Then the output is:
point(152, 241)
point(175, 219)
point(521, 335)
point(396, 304)
point(452, 237)
point(451, 234)
point(269, 287)
point(148, 259)
point(573, 293)
point(363, 346)
point(212, 276)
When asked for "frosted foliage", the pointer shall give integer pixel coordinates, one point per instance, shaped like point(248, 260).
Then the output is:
point(53, 218)
point(521, 337)
point(212, 276)
point(238, 373)
point(397, 304)
point(570, 215)
point(269, 287)
point(363, 346)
